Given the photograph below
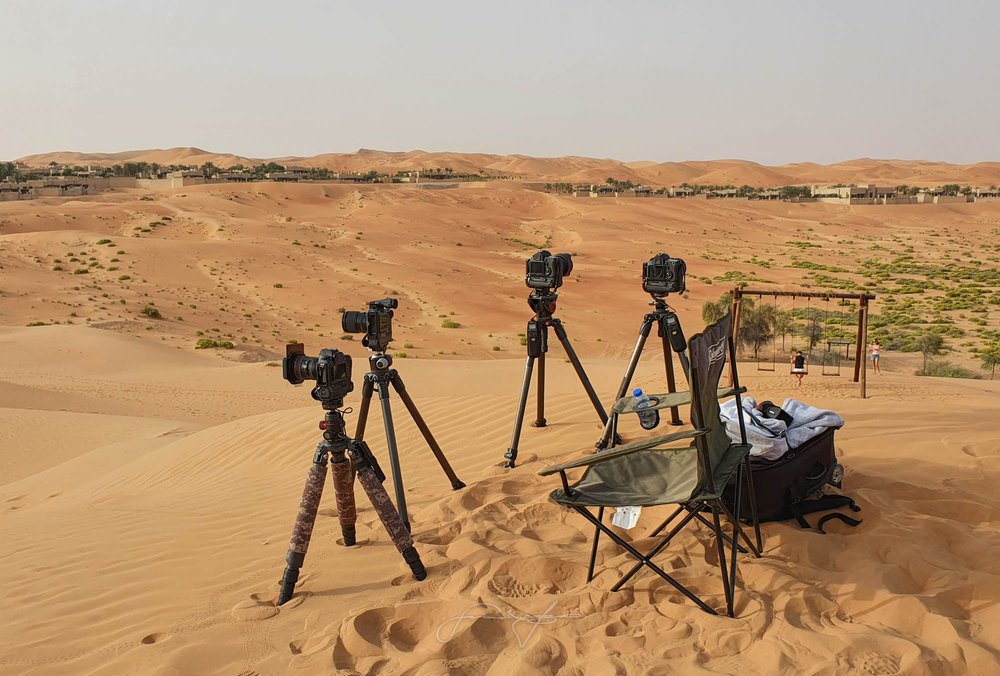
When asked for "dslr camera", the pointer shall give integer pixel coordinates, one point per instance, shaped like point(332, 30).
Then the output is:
point(375, 323)
point(331, 370)
point(546, 271)
point(662, 275)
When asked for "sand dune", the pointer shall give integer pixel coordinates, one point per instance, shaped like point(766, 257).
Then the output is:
point(147, 489)
point(575, 169)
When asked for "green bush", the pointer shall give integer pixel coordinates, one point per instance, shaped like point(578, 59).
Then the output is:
point(81, 271)
point(103, 241)
point(208, 343)
point(151, 312)
point(945, 369)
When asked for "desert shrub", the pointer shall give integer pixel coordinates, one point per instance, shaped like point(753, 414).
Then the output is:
point(57, 267)
point(408, 346)
point(279, 285)
point(945, 369)
point(81, 271)
point(496, 348)
point(400, 355)
point(38, 324)
point(151, 312)
point(103, 241)
point(209, 343)
point(449, 324)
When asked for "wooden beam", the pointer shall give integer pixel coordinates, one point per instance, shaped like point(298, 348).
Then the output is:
point(864, 333)
point(859, 358)
point(737, 307)
point(806, 294)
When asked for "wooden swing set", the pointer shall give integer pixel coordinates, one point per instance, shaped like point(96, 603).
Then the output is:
point(832, 356)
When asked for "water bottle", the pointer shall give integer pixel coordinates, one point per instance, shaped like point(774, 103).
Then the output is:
point(647, 419)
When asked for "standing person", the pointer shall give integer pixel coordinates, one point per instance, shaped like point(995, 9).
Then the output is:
point(799, 364)
point(876, 349)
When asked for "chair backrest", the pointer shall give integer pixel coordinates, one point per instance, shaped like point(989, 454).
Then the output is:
point(709, 351)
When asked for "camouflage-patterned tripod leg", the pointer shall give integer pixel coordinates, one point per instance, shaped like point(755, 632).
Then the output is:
point(368, 476)
point(343, 487)
point(304, 522)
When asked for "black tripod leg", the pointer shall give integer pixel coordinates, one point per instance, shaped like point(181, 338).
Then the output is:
point(366, 400)
point(611, 431)
point(302, 531)
point(390, 440)
point(511, 454)
point(397, 383)
point(668, 362)
point(564, 339)
point(342, 475)
point(394, 525)
point(540, 393)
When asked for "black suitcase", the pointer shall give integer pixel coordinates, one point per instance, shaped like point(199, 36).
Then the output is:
point(797, 476)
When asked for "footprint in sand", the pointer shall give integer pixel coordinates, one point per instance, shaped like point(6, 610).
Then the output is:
point(258, 607)
point(878, 664)
point(509, 587)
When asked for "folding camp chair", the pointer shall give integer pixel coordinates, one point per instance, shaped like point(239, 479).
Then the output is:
point(693, 477)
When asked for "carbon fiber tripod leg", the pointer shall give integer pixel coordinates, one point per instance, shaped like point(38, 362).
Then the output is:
point(366, 400)
point(398, 533)
point(302, 531)
point(397, 383)
point(611, 427)
point(390, 440)
point(578, 367)
point(511, 454)
point(342, 474)
point(540, 394)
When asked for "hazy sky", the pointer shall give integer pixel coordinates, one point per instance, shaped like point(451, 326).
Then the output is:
point(772, 82)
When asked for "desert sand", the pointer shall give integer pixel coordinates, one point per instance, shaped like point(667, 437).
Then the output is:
point(148, 489)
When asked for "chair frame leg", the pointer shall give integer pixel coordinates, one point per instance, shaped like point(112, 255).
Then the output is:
point(643, 561)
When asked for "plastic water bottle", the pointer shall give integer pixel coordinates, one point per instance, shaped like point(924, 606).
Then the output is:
point(647, 419)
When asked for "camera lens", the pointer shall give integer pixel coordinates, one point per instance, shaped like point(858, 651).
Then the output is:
point(355, 322)
point(567, 262)
point(299, 368)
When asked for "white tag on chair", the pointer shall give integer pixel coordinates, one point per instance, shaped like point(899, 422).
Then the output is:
point(626, 517)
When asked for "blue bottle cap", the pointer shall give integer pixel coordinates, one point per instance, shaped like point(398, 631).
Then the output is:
point(637, 392)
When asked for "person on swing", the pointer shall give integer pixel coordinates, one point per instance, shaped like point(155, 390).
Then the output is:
point(799, 364)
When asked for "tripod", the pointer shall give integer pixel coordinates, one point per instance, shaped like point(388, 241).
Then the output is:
point(382, 376)
point(337, 445)
point(543, 302)
point(668, 328)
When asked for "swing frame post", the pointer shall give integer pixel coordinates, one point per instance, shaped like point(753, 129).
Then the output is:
point(864, 308)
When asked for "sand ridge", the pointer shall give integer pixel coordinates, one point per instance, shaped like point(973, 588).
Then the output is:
point(571, 168)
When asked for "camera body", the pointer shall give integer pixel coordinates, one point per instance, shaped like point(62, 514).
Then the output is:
point(546, 271)
point(662, 275)
point(331, 370)
point(375, 323)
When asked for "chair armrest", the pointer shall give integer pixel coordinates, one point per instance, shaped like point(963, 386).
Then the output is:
point(669, 400)
point(624, 449)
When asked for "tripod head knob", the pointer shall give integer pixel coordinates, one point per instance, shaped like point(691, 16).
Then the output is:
point(543, 302)
point(380, 361)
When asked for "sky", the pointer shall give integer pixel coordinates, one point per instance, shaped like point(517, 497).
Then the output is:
point(772, 82)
